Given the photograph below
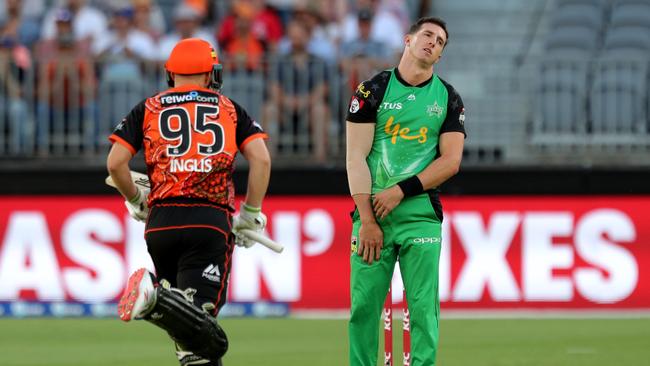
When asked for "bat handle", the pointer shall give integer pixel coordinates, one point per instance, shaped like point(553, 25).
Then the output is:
point(262, 239)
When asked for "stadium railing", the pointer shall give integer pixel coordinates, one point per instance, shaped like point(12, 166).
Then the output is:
point(514, 116)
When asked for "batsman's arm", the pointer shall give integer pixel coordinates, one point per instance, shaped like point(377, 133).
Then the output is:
point(117, 164)
point(259, 171)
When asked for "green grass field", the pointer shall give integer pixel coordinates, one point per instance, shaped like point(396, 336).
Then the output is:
point(286, 342)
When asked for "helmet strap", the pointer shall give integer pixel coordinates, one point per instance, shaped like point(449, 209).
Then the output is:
point(170, 79)
point(216, 78)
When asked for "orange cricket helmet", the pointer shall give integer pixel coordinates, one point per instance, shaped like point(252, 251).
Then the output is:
point(194, 56)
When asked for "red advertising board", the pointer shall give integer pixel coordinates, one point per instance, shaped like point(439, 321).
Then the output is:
point(497, 252)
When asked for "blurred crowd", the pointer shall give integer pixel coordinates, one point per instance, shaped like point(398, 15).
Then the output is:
point(58, 57)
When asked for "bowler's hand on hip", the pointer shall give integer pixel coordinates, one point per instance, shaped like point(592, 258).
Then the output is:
point(371, 240)
point(385, 201)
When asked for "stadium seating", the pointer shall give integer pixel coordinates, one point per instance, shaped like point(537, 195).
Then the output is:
point(561, 116)
point(628, 40)
point(634, 14)
point(572, 41)
point(593, 83)
point(579, 15)
point(598, 3)
point(618, 100)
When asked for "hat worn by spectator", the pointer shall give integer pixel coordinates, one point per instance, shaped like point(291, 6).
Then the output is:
point(125, 12)
point(63, 15)
point(365, 15)
point(185, 12)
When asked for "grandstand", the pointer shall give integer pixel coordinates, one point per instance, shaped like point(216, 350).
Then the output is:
point(545, 83)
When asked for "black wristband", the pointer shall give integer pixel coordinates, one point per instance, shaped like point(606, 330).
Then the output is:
point(411, 186)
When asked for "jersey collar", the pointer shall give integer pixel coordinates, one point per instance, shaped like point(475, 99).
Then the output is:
point(190, 87)
point(405, 83)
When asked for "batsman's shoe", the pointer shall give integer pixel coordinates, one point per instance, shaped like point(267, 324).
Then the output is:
point(139, 296)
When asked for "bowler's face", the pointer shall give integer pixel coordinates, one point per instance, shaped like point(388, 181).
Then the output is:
point(427, 43)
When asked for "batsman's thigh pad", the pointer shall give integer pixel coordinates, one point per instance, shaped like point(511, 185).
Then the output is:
point(192, 328)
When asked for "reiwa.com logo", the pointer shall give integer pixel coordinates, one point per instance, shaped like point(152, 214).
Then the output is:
point(192, 96)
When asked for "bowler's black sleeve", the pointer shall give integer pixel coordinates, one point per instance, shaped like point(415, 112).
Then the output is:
point(367, 99)
point(128, 133)
point(455, 120)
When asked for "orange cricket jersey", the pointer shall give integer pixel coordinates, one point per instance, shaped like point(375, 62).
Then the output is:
point(190, 137)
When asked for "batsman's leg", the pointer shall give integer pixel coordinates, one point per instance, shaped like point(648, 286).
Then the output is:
point(193, 329)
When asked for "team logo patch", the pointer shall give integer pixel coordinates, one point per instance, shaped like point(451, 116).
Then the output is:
point(355, 105)
point(434, 109)
point(121, 125)
point(361, 89)
point(212, 273)
point(353, 244)
point(461, 117)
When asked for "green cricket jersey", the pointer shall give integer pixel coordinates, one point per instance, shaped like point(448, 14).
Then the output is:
point(409, 121)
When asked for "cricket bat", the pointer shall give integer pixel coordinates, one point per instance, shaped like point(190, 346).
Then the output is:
point(142, 181)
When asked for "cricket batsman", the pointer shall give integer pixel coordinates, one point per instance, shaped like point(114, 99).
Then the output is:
point(405, 135)
point(190, 135)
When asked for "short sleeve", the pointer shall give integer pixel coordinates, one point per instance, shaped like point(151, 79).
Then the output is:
point(367, 97)
point(129, 132)
point(247, 128)
point(455, 119)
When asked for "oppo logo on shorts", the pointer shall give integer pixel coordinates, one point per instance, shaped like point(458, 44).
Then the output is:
point(426, 240)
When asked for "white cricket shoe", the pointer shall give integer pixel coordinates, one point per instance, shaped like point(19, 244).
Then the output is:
point(138, 297)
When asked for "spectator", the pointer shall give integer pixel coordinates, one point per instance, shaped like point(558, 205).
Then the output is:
point(363, 57)
point(15, 63)
point(124, 42)
point(66, 90)
point(88, 23)
point(201, 6)
point(386, 28)
point(124, 59)
point(319, 43)
point(33, 9)
point(266, 24)
point(297, 92)
point(187, 23)
point(148, 18)
point(244, 50)
point(23, 27)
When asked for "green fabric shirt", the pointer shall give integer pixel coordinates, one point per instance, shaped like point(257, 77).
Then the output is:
point(409, 121)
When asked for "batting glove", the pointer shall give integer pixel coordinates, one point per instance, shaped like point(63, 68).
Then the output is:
point(137, 206)
point(250, 218)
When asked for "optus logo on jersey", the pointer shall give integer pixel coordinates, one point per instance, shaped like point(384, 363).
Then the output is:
point(388, 105)
point(192, 96)
point(396, 131)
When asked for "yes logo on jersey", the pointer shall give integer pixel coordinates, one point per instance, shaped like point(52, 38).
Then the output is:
point(396, 130)
point(353, 244)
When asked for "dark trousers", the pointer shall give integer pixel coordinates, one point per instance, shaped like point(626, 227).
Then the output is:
point(191, 247)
